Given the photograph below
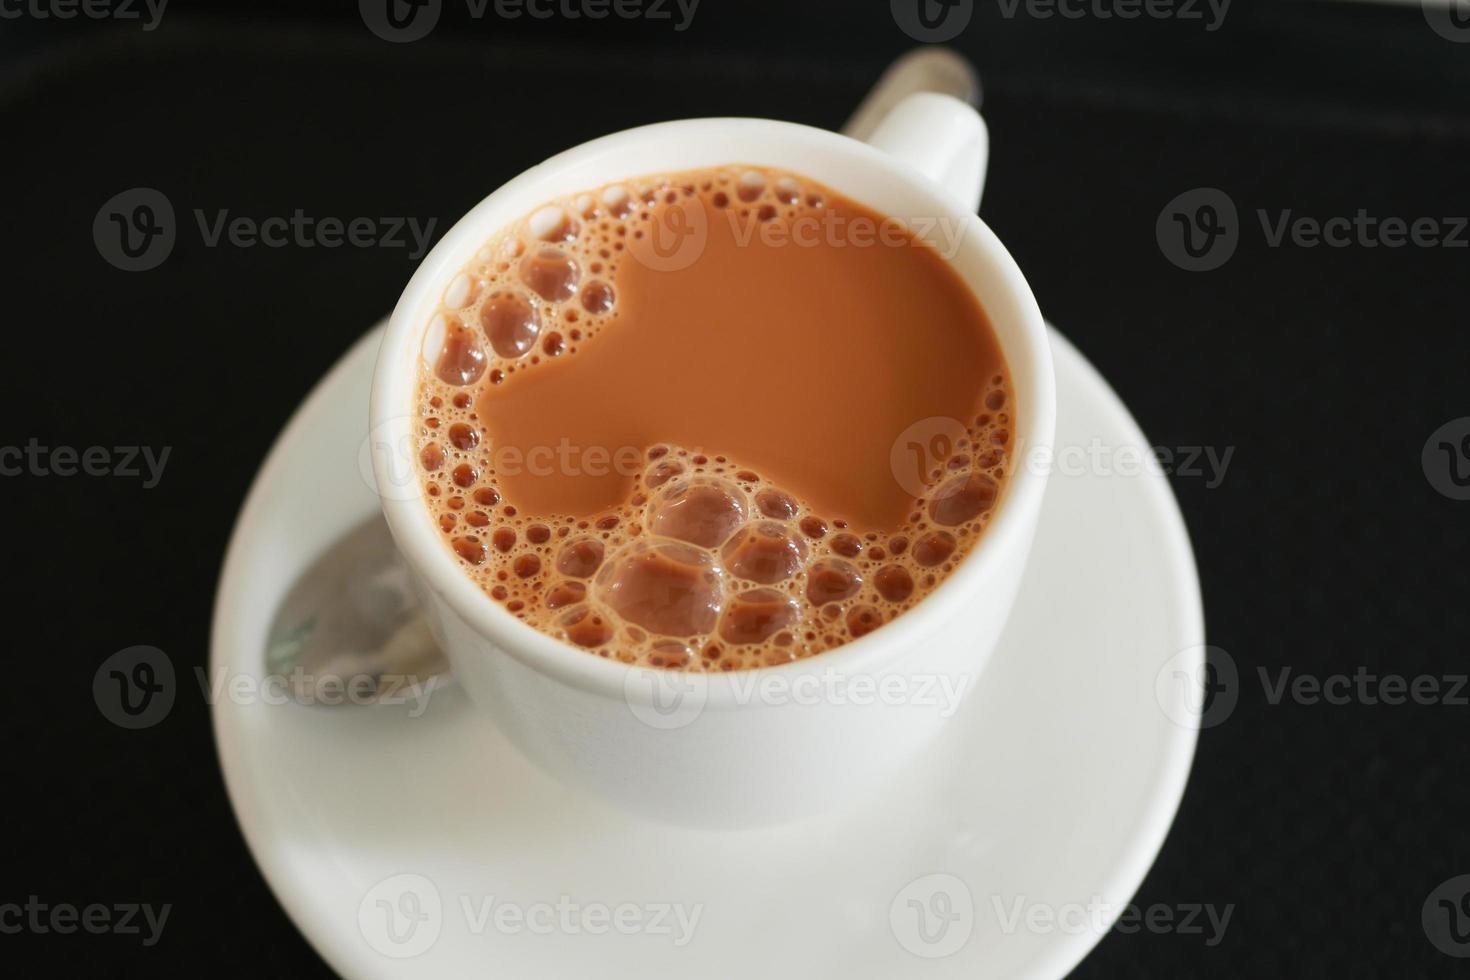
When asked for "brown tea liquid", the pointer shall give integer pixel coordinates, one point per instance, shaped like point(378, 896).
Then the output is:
point(668, 420)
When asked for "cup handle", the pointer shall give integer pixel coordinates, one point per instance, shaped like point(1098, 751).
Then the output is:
point(922, 112)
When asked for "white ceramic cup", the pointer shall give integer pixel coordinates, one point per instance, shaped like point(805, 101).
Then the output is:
point(769, 744)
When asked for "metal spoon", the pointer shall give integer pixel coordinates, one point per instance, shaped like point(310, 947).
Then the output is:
point(349, 629)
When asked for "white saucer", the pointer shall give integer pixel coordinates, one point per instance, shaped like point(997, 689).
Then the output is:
point(1049, 795)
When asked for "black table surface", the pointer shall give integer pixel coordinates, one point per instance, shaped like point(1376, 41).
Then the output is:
point(1327, 548)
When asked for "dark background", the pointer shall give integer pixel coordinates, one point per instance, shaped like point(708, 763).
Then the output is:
point(1325, 548)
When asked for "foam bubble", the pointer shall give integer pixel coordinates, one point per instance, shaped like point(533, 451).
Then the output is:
point(752, 185)
point(766, 553)
point(463, 437)
point(862, 620)
point(894, 583)
point(565, 594)
point(703, 513)
point(962, 499)
point(580, 558)
point(552, 224)
point(666, 587)
point(597, 297)
point(831, 580)
point(461, 290)
point(586, 627)
point(757, 615)
point(662, 472)
point(618, 201)
point(550, 273)
point(774, 503)
point(461, 358)
point(470, 548)
point(510, 324)
point(669, 653)
point(934, 548)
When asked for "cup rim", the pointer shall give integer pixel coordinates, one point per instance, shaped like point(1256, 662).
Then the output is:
point(419, 542)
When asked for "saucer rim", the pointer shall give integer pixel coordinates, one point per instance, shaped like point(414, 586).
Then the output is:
point(1136, 855)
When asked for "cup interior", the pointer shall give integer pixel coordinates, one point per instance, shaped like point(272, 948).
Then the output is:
point(854, 169)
